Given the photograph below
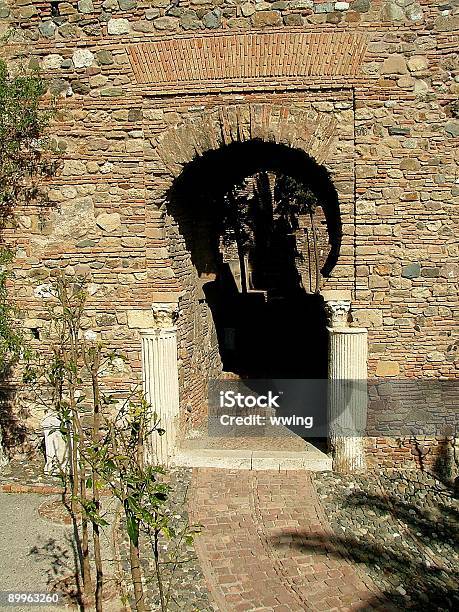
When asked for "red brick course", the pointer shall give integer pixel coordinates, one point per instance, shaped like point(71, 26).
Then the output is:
point(40, 489)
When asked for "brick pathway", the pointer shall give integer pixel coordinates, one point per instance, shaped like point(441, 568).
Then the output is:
point(266, 545)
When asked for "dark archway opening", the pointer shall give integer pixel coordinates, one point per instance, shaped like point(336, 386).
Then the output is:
point(262, 288)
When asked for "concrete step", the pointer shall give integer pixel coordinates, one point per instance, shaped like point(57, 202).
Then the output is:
point(312, 460)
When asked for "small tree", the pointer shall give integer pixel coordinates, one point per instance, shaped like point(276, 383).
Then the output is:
point(286, 199)
point(292, 200)
point(12, 341)
point(58, 381)
point(111, 452)
point(238, 225)
point(118, 461)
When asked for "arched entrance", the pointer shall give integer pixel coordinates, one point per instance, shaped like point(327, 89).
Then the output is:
point(249, 157)
point(253, 229)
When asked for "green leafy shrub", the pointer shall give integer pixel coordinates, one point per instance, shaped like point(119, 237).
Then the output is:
point(23, 147)
point(11, 337)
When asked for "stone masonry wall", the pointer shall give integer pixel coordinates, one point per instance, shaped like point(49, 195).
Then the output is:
point(135, 78)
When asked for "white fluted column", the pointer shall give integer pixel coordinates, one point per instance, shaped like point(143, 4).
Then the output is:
point(347, 402)
point(160, 380)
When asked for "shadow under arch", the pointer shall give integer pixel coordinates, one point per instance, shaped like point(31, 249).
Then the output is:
point(215, 172)
point(272, 338)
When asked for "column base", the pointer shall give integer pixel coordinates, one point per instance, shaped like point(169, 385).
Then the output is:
point(348, 454)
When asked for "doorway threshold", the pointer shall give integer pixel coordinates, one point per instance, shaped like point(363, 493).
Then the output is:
point(310, 458)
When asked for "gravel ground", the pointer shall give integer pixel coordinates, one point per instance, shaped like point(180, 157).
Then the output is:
point(25, 471)
point(189, 591)
point(402, 528)
point(188, 587)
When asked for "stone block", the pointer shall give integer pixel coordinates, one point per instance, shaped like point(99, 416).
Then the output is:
point(82, 58)
point(369, 171)
point(98, 80)
point(452, 128)
point(80, 87)
point(362, 6)
point(140, 319)
point(133, 242)
point(410, 164)
point(47, 29)
point(450, 270)
point(414, 11)
point(26, 12)
point(212, 19)
point(368, 317)
point(264, 19)
point(394, 64)
point(109, 222)
point(385, 210)
point(167, 297)
point(152, 13)
point(85, 6)
point(104, 57)
point(336, 295)
point(112, 92)
point(378, 282)
point(190, 21)
point(430, 272)
point(391, 11)
point(398, 131)
point(447, 23)
point(412, 270)
point(166, 23)
point(421, 293)
point(240, 23)
point(52, 61)
point(324, 7)
point(127, 5)
point(301, 4)
point(118, 26)
point(247, 9)
point(435, 356)
point(59, 86)
point(73, 167)
point(293, 20)
point(417, 63)
point(387, 368)
point(74, 219)
point(406, 82)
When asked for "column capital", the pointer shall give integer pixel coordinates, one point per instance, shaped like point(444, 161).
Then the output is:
point(165, 314)
point(347, 331)
point(337, 311)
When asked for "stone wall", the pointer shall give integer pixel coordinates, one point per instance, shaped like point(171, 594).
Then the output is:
point(143, 87)
point(92, 18)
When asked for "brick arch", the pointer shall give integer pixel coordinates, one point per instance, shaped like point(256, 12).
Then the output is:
point(310, 131)
point(306, 134)
point(220, 168)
